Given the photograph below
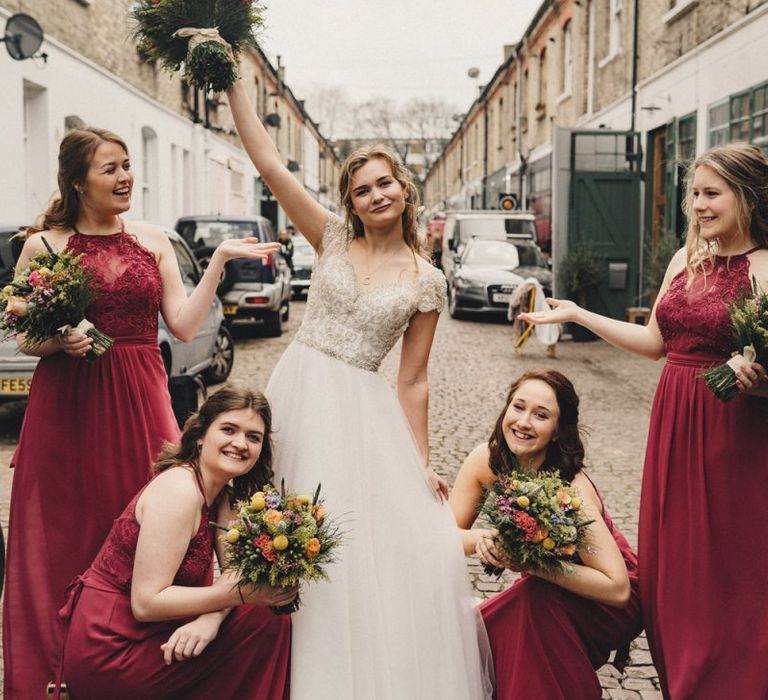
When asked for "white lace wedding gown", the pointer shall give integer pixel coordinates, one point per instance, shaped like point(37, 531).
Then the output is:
point(397, 621)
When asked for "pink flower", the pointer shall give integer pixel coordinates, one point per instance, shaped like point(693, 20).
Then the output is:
point(35, 278)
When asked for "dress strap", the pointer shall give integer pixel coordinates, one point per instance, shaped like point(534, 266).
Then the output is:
point(752, 250)
point(119, 218)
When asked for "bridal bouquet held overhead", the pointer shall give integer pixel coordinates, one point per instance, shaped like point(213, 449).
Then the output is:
point(202, 36)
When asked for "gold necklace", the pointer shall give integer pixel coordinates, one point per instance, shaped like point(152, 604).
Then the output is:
point(366, 280)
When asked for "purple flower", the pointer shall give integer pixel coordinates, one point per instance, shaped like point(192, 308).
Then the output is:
point(273, 500)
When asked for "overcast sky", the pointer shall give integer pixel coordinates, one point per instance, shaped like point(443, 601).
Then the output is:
point(397, 48)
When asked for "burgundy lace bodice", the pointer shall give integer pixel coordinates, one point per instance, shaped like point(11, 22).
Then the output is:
point(696, 320)
point(127, 280)
point(114, 562)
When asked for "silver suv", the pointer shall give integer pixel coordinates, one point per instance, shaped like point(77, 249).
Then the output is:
point(249, 289)
point(209, 356)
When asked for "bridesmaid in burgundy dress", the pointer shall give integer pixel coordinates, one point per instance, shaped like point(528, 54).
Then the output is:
point(549, 632)
point(154, 577)
point(91, 429)
point(705, 483)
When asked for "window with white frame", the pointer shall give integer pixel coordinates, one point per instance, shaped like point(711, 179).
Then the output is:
point(567, 69)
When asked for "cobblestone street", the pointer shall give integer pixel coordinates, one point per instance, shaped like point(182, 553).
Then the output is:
point(470, 371)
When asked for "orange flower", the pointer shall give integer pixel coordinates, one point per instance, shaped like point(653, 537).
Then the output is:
point(318, 513)
point(313, 548)
point(272, 517)
point(16, 306)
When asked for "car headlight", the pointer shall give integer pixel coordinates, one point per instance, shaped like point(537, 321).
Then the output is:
point(468, 285)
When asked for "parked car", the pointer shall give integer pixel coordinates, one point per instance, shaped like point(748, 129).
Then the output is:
point(303, 260)
point(209, 356)
point(462, 226)
point(249, 289)
point(488, 272)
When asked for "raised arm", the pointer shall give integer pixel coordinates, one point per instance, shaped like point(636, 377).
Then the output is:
point(308, 216)
point(467, 496)
point(642, 340)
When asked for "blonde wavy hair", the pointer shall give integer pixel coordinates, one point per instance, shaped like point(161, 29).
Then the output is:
point(356, 160)
point(745, 169)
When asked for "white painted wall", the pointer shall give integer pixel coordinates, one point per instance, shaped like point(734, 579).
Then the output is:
point(69, 84)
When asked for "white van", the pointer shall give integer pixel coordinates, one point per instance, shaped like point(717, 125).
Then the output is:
point(464, 225)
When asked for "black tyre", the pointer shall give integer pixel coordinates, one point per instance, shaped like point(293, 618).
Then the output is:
point(223, 358)
point(286, 310)
point(452, 308)
point(273, 323)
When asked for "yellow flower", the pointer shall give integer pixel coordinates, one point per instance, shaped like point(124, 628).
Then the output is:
point(16, 306)
point(575, 503)
point(280, 543)
point(258, 501)
point(313, 548)
point(233, 535)
point(523, 501)
point(548, 543)
point(303, 500)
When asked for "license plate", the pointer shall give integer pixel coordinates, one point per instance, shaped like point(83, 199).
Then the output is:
point(15, 385)
point(501, 298)
point(230, 309)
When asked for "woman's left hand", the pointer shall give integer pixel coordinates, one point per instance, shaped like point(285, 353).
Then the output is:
point(245, 248)
point(191, 639)
point(437, 482)
point(490, 554)
point(752, 379)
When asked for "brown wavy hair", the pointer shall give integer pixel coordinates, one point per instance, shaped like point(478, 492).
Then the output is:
point(356, 160)
point(228, 398)
point(75, 155)
point(566, 454)
point(745, 169)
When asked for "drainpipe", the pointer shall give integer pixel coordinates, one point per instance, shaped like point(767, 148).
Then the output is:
point(635, 24)
point(485, 153)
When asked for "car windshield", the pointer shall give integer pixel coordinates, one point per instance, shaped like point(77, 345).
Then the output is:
point(493, 226)
point(503, 254)
point(211, 233)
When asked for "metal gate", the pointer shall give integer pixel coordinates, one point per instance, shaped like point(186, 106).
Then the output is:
point(604, 213)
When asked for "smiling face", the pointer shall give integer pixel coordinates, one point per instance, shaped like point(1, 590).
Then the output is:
point(107, 187)
point(377, 198)
point(530, 422)
point(233, 442)
point(715, 206)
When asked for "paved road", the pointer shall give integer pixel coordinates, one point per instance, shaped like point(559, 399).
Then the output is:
point(471, 368)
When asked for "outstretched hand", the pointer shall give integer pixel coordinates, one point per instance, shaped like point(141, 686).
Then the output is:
point(245, 248)
point(437, 482)
point(562, 311)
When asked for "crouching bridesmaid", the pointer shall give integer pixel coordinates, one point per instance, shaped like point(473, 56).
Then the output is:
point(549, 632)
point(147, 620)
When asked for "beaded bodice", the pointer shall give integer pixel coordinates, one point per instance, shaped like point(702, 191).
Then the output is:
point(360, 326)
point(696, 320)
point(127, 283)
point(114, 562)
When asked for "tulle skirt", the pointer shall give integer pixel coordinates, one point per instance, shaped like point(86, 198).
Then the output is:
point(398, 619)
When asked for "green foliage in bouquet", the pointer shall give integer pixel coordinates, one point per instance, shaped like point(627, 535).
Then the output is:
point(48, 298)
point(281, 539)
point(539, 519)
point(749, 322)
point(208, 62)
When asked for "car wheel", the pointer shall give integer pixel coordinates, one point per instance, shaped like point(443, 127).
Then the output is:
point(273, 323)
point(452, 309)
point(223, 358)
point(286, 310)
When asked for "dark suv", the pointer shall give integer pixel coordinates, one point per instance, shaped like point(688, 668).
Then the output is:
point(249, 289)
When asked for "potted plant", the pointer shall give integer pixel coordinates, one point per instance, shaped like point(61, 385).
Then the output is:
point(580, 272)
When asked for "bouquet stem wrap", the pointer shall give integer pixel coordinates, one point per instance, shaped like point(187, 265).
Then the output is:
point(101, 341)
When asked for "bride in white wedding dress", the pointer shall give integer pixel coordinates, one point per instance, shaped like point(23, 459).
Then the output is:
point(397, 621)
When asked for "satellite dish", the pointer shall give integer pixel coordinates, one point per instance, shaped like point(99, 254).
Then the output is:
point(23, 36)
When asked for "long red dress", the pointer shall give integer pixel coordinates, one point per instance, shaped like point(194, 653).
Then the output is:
point(703, 513)
point(547, 642)
point(91, 432)
point(109, 654)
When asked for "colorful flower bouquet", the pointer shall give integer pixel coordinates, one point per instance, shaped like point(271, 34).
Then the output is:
point(281, 538)
point(539, 519)
point(49, 298)
point(200, 35)
point(749, 322)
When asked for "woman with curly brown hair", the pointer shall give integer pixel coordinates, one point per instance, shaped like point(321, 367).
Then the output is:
point(393, 624)
point(149, 602)
point(549, 631)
